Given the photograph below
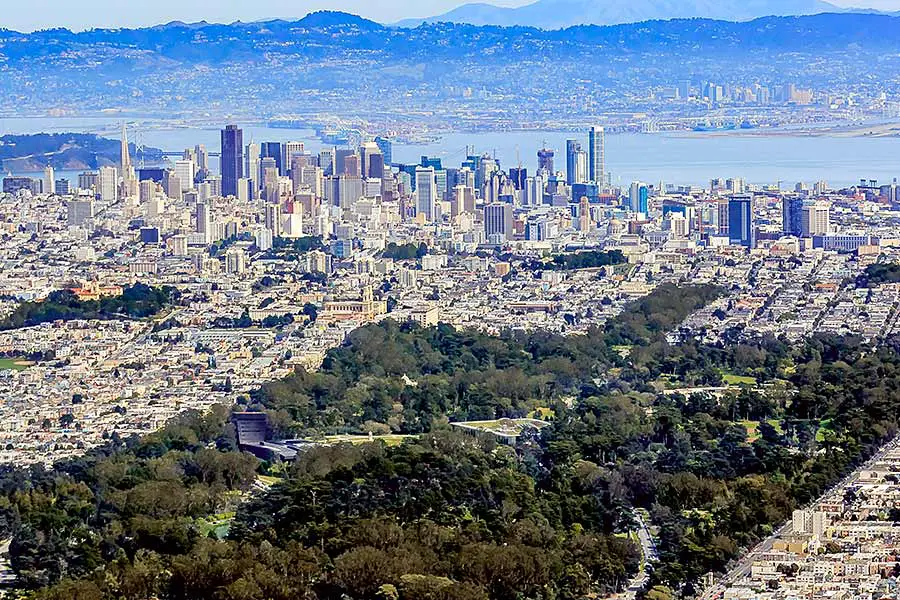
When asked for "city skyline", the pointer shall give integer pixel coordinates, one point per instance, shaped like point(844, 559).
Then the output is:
point(467, 311)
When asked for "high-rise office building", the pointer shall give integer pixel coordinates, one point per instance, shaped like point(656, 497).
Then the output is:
point(741, 229)
point(49, 180)
point(108, 184)
point(597, 149)
point(545, 160)
point(585, 223)
point(251, 166)
point(272, 150)
point(518, 176)
point(327, 161)
point(232, 159)
point(375, 166)
point(463, 200)
point(147, 190)
point(639, 198)
point(816, 219)
point(792, 216)
point(387, 150)
point(288, 151)
point(186, 170)
point(573, 147)
point(88, 180)
point(173, 186)
point(203, 221)
point(351, 165)
point(498, 219)
point(366, 151)
point(201, 155)
point(426, 192)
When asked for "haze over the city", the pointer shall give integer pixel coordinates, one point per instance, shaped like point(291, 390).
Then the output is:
point(43, 14)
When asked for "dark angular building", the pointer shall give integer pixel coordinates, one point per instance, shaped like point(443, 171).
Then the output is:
point(232, 159)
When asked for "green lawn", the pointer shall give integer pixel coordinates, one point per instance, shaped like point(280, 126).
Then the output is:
point(390, 440)
point(729, 379)
point(14, 364)
point(752, 428)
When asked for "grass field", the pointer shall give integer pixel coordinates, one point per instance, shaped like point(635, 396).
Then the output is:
point(729, 379)
point(14, 364)
point(390, 440)
point(753, 428)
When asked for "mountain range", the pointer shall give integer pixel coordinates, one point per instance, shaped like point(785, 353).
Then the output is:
point(558, 14)
point(336, 63)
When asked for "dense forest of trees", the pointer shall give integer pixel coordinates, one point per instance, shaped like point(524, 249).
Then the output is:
point(137, 301)
point(404, 251)
point(449, 516)
point(879, 273)
point(293, 248)
point(587, 260)
point(406, 379)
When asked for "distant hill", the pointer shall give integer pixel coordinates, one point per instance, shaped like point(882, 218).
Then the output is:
point(63, 151)
point(557, 14)
point(332, 63)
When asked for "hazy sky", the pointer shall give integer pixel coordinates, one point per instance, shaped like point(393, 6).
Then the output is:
point(82, 14)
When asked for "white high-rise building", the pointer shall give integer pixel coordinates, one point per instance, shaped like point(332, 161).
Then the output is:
point(426, 192)
point(204, 192)
point(314, 177)
point(108, 184)
point(251, 168)
point(204, 221)
point(815, 219)
point(244, 189)
point(186, 170)
point(263, 238)
point(288, 151)
point(49, 180)
point(235, 261)
point(581, 166)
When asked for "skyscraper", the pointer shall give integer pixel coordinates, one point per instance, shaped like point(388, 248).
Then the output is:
point(232, 159)
point(108, 184)
point(573, 147)
point(203, 221)
point(639, 198)
point(597, 143)
point(186, 170)
point(741, 231)
point(129, 177)
point(792, 216)
point(816, 219)
point(272, 150)
point(518, 176)
point(288, 151)
point(49, 180)
point(387, 149)
point(545, 160)
point(426, 192)
point(498, 219)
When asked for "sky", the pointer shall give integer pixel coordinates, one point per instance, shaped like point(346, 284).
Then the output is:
point(84, 14)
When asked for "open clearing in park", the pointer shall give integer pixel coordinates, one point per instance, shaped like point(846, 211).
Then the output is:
point(14, 364)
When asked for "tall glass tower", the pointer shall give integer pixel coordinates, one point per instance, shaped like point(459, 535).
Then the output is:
point(232, 159)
